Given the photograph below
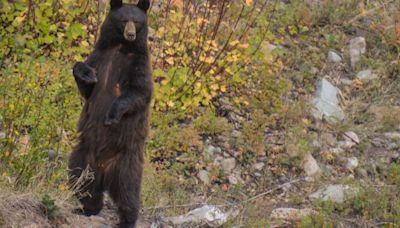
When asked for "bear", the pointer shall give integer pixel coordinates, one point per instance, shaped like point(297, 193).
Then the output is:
point(116, 84)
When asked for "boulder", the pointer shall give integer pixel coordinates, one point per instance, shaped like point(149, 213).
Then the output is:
point(326, 103)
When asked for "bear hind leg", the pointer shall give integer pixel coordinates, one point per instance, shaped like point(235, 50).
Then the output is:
point(125, 192)
point(89, 189)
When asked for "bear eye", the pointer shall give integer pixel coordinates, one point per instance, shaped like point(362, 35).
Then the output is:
point(125, 20)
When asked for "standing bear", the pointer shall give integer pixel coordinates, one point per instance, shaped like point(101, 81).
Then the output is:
point(116, 84)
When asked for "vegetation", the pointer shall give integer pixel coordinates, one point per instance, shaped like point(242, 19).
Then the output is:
point(232, 80)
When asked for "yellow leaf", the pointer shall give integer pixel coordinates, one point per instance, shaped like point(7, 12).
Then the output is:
point(63, 187)
point(170, 61)
point(85, 43)
point(223, 88)
point(170, 104)
point(78, 58)
point(234, 43)
point(214, 87)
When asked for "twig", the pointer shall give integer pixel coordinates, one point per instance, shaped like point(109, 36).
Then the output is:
point(230, 204)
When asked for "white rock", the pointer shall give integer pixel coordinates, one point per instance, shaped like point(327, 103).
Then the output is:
point(352, 163)
point(211, 150)
point(352, 136)
point(392, 135)
point(357, 47)
point(291, 214)
point(335, 193)
point(228, 164)
point(204, 176)
point(366, 75)
point(334, 57)
point(326, 103)
point(309, 179)
point(208, 214)
point(346, 81)
point(337, 150)
point(311, 166)
point(346, 144)
point(271, 47)
point(316, 144)
point(258, 166)
point(233, 179)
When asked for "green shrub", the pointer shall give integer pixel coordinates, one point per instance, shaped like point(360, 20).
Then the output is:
point(209, 124)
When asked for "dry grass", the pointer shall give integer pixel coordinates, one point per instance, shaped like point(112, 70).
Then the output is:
point(20, 210)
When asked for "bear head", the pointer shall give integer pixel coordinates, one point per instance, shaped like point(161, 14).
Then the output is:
point(125, 23)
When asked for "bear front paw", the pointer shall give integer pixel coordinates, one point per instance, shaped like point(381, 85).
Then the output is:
point(85, 73)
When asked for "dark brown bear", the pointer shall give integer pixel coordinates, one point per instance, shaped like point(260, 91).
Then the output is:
point(116, 83)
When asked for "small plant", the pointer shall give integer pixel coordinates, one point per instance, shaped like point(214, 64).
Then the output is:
point(253, 132)
point(210, 124)
point(389, 121)
point(50, 208)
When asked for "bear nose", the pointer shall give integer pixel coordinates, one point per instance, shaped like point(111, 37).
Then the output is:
point(131, 35)
point(130, 31)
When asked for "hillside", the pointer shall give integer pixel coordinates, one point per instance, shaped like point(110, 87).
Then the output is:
point(265, 113)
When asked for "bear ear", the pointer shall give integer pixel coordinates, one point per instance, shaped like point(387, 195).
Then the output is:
point(144, 4)
point(115, 4)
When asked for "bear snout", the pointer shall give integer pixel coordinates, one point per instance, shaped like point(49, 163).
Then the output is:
point(130, 31)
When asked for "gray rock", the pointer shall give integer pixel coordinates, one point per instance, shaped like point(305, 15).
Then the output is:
point(346, 144)
point(316, 144)
point(52, 154)
point(336, 193)
point(334, 57)
point(357, 47)
point(258, 166)
point(271, 47)
point(233, 179)
point(392, 146)
point(326, 103)
point(337, 150)
point(309, 179)
point(211, 150)
point(366, 75)
point(2, 135)
point(228, 164)
point(311, 166)
point(346, 81)
point(204, 176)
point(352, 163)
point(392, 135)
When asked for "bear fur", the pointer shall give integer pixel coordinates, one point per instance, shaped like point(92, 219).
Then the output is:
point(116, 84)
